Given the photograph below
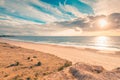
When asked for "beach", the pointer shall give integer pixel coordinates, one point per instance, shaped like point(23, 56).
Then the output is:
point(17, 63)
point(20, 60)
point(108, 59)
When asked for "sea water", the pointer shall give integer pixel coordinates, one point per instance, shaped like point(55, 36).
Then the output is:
point(98, 42)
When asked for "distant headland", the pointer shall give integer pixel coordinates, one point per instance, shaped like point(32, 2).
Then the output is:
point(6, 35)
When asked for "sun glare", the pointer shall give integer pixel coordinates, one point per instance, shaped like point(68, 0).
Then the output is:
point(101, 42)
point(103, 23)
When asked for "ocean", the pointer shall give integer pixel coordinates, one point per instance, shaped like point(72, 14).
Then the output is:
point(97, 42)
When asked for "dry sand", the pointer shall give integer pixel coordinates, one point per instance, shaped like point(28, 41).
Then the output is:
point(18, 63)
point(108, 59)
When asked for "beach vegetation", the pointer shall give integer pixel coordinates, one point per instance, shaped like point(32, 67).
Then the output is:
point(34, 56)
point(28, 58)
point(28, 78)
point(15, 64)
point(38, 64)
point(66, 64)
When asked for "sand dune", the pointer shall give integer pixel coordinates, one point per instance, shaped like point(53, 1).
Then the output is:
point(81, 71)
point(18, 63)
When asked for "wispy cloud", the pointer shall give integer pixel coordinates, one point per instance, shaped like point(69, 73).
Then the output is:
point(42, 11)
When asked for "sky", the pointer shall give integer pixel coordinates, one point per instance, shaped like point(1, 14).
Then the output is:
point(60, 17)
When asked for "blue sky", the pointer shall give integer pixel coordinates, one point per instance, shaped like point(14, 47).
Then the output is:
point(19, 15)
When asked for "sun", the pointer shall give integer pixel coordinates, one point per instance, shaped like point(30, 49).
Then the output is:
point(102, 23)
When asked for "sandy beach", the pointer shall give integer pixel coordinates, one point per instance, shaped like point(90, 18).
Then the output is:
point(108, 59)
point(34, 61)
point(17, 63)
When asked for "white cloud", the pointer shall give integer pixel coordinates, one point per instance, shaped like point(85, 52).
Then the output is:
point(56, 12)
point(89, 2)
point(69, 32)
point(9, 21)
point(2, 2)
point(41, 15)
point(72, 9)
point(105, 7)
point(24, 9)
point(48, 7)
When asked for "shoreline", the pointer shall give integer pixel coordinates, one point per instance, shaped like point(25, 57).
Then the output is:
point(106, 59)
point(67, 45)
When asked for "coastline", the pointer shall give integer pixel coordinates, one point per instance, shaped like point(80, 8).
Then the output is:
point(66, 45)
point(103, 58)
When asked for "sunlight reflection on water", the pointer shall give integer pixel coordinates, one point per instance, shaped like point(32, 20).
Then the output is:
point(102, 42)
